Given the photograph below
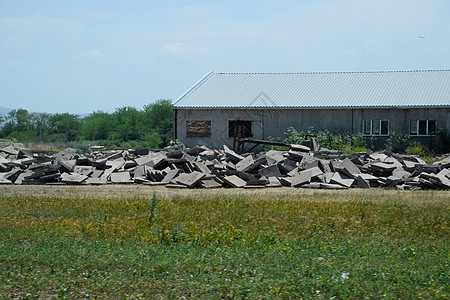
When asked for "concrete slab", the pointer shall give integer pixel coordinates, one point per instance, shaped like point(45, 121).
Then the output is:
point(362, 183)
point(12, 174)
point(296, 155)
point(210, 184)
point(176, 186)
point(383, 166)
point(96, 181)
point(234, 181)
point(9, 150)
point(245, 164)
point(96, 174)
point(274, 157)
point(368, 177)
point(140, 172)
point(301, 178)
point(378, 156)
point(330, 186)
point(201, 167)
point(121, 177)
point(22, 176)
point(308, 160)
point(293, 172)
point(170, 176)
point(83, 170)
point(73, 178)
point(189, 179)
point(231, 155)
point(273, 182)
point(285, 181)
point(348, 167)
point(4, 180)
point(393, 161)
point(325, 165)
point(342, 179)
point(312, 185)
point(287, 165)
point(299, 148)
point(316, 171)
point(401, 174)
point(270, 171)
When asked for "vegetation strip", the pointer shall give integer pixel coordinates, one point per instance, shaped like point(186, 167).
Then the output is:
point(210, 245)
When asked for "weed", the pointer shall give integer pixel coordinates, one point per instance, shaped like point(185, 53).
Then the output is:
point(382, 244)
point(152, 208)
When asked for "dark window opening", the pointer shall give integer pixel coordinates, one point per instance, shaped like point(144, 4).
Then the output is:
point(384, 127)
point(375, 127)
point(240, 128)
point(432, 127)
point(422, 127)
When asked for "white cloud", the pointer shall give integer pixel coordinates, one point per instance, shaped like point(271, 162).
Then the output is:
point(177, 49)
point(92, 54)
point(182, 50)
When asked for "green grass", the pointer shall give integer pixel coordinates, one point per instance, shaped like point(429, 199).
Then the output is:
point(371, 244)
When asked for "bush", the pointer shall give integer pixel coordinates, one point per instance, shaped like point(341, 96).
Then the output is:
point(346, 142)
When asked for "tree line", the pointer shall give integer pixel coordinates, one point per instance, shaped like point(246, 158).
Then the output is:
point(127, 126)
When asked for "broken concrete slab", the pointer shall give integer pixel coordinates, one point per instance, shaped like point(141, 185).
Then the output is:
point(231, 155)
point(73, 178)
point(273, 182)
point(189, 179)
point(307, 161)
point(245, 164)
point(362, 183)
point(342, 179)
point(121, 177)
point(274, 157)
point(301, 178)
point(170, 176)
point(299, 148)
point(96, 180)
point(9, 150)
point(330, 186)
point(348, 167)
point(234, 181)
point(210, 184)
point(270, 171)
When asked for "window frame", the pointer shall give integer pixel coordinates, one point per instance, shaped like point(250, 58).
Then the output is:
point(419, 128)
point(375, 127)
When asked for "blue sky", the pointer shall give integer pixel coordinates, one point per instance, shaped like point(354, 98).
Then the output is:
point(82, 56)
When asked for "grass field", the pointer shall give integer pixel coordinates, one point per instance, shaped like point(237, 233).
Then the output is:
point(142, 242)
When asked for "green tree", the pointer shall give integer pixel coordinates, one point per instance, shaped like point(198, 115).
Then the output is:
point(158, 118)
point(126, 123)
point(64, 127)
point(97, 126)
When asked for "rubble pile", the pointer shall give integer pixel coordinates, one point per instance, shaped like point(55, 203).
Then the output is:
point(303, 166)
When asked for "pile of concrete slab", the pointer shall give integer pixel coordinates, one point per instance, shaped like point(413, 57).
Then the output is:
point(199, 167)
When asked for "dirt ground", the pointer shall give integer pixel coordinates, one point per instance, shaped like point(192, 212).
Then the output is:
point(135, 191)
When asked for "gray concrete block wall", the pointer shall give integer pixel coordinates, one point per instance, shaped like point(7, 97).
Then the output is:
point(274, 122)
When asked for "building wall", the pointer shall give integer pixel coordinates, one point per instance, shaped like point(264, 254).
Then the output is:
point(274, 122)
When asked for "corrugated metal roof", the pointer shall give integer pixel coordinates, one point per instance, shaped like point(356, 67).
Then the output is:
point(425, 88)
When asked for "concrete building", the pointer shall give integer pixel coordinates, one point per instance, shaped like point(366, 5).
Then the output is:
point(375, 104)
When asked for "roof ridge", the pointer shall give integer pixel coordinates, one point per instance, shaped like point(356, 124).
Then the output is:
point(333, 72)
point(195, 86)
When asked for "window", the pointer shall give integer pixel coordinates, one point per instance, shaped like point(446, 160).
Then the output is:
point(198, 128)
point(422, 127)
point(240, 128)
point(375, 127)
